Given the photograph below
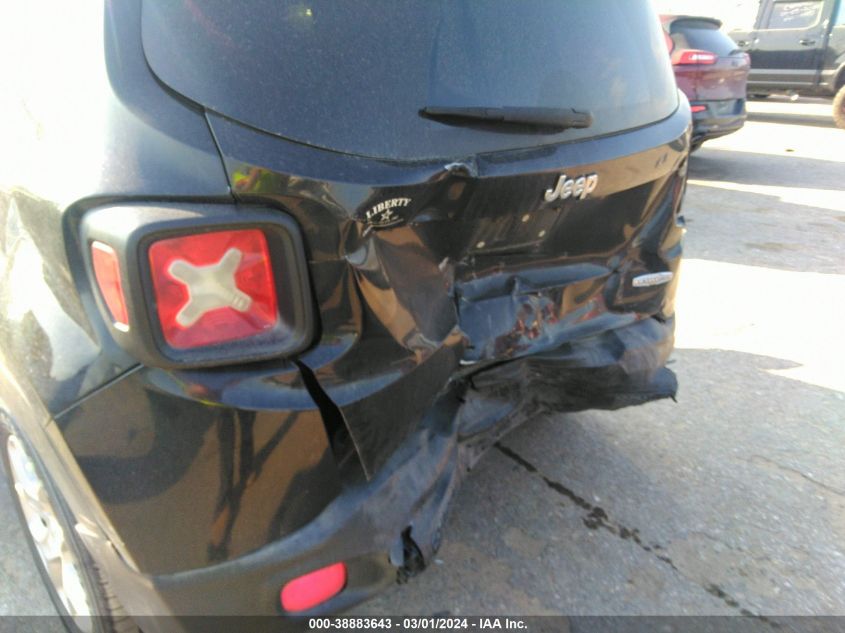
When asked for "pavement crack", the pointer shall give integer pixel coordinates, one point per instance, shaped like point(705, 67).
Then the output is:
point(716, 590)
point(795, 471)
point(597, 518)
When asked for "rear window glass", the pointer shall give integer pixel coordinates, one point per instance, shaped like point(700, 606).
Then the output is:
point(352, 76)
point(702, 35)
point(794, 15)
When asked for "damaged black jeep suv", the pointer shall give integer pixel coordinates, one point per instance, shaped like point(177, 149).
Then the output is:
point(274, 274)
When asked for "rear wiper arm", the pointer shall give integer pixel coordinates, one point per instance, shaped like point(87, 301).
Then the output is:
point(562, 118)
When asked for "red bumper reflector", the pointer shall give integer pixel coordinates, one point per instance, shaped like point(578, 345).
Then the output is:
point(213, 288)
point(698, 108)
point(107, 272)
point(310, 590)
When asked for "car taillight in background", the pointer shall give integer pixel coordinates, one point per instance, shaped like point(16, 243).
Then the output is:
point(200, 285)
point(694, 58)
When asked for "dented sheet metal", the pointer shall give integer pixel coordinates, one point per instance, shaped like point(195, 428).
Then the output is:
point(427, 272)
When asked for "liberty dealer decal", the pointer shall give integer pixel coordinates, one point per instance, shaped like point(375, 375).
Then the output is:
point(384, 213)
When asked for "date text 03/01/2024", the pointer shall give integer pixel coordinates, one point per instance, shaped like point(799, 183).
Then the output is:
point(416, 623)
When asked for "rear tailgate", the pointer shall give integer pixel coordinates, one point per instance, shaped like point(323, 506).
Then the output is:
point(433, 244)
point(420, 268)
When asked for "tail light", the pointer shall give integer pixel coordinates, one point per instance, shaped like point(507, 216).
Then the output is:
point(201, 286)
point(107, 273)
point(698, 108)
point(213, 288)
point(694, 58)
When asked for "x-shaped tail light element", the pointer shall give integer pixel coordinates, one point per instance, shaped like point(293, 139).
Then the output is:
point(213, 288)
point(210, 287)
point(195, 285)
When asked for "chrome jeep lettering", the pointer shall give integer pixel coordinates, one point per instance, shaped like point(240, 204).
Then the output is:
point(578, 188)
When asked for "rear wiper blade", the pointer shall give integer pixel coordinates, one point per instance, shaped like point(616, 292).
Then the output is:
point(562, 118)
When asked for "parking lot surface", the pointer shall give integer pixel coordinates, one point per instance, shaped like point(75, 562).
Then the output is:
point(731, 500)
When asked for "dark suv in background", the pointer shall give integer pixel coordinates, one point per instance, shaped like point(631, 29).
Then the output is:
point(798, 48)
point(711, 71)
point(273, 275)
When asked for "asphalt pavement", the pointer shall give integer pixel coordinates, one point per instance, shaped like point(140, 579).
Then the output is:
point(731, 500)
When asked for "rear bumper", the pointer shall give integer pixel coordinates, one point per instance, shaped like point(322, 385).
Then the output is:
point(712, 123)
point(364, 526)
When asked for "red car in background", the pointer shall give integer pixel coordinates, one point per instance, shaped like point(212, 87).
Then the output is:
point(711, 71)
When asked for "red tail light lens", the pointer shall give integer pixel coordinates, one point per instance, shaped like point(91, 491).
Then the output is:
point(212, 288)
point(202, 285)
point(694, 58)
point(310, 590)
point(698, 108)
point(107, 272)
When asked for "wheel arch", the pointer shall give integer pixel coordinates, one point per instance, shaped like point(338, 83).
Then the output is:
point(22, 412)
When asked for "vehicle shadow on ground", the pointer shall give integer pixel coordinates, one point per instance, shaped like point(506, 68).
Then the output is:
point(698, 507)
point(752, 229)
point(714, 163)
point(815, 120)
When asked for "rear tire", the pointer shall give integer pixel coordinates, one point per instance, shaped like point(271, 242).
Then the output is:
point(839, 108)
point(79, 591)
